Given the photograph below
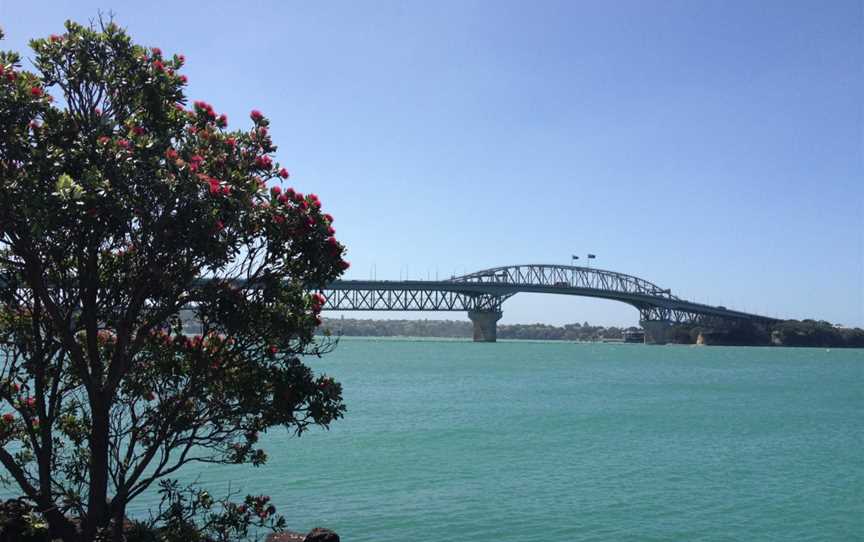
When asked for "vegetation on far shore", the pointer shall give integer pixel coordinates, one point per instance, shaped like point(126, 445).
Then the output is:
point(804, 333)
point(462, 329)
point(785, 333)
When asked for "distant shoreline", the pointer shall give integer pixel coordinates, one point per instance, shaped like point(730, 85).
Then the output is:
point(456, 329)
point(791, 333)
point(469, 339)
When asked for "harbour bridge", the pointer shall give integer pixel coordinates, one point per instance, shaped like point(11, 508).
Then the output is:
point(481, 295)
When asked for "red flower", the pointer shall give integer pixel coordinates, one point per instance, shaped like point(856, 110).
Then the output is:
point(279, 219)
point(124, 143)
point(231, 141)
point(206, 108)
point(103, 140)
point(171, 154)
point(138, 130)
point(36, 91)
point(256, 115)
point(181, 59)
point(184, 79)
point(158, 66)
point(222, 121)
point(8, 417)
point(54, 38)
point(215, 189)
point(330, 230)
point(273, 350)
point(275, 191)
point(344, 265)
point(283, 199)
point(283, 173)
point(178, 106)
point(156, 51)
point(264, 162)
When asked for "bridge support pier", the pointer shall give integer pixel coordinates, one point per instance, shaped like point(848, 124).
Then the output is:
point(656, 331)
point(485, 325)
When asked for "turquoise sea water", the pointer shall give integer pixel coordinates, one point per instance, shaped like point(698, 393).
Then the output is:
point(549, 441)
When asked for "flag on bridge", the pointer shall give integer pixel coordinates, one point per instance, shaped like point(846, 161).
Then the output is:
point(575, 257)
point(591, 256)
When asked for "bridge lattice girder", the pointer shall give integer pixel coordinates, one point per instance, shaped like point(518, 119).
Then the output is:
point(368, 297)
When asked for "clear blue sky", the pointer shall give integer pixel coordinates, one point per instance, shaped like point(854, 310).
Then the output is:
point(711, 147)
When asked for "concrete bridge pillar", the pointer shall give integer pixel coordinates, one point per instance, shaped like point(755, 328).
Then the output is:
point(656, 331)
point(485, 325)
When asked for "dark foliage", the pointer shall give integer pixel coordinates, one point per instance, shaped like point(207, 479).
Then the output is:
point(120, 206)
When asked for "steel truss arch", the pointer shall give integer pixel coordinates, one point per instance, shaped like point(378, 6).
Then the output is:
point(566, 276)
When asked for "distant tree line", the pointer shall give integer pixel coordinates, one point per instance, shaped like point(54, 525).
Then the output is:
point(352, 327)
point(807, 333)
point(810, 333)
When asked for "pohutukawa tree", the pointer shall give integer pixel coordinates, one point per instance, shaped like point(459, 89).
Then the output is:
point(120, 206)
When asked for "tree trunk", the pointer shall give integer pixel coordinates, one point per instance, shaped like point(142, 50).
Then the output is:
point(118, 517)
point(97, 504)
point(59, 526)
